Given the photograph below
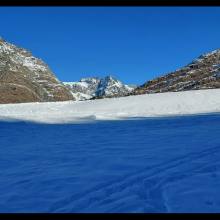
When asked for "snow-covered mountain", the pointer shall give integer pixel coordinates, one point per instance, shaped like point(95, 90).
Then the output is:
point(202, 73)
point(84, 89)
point(94, 87)
point(25, 78)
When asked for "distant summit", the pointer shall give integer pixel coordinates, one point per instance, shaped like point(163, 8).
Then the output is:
point(94, 87)
point(25, 78)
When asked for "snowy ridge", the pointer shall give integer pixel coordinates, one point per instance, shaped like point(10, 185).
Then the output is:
point(94, 87)
point(20, 56)
point(84, 89)
point(148, 105)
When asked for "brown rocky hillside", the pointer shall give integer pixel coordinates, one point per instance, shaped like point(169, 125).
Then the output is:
point(202, 73)
point(25, 78)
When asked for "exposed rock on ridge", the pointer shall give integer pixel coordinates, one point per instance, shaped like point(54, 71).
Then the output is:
point(25, 78)
point(202, 73)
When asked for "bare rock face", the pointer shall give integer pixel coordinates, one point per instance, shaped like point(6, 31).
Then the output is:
point(202, 73)
point(25, 78)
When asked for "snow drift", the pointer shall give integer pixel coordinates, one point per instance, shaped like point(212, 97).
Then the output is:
point(148, 105)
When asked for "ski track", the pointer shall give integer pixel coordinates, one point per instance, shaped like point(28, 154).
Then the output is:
point(146, 185)
point(53, 174)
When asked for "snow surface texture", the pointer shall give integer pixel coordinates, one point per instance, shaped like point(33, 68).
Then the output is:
point(153, 165)
point(149, 105)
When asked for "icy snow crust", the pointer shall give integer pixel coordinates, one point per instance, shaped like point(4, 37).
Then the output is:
point(148, 105)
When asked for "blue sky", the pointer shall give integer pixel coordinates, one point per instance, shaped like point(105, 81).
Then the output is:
point(134, 44)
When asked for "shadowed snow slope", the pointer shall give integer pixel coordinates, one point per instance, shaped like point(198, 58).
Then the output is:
point(167, 164)
point(148, 105)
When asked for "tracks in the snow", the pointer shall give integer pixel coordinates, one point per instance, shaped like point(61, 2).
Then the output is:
point(145, 186)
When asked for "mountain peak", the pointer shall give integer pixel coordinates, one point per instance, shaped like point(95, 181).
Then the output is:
point(25, 78)
point(110, 77)
point(95, 87)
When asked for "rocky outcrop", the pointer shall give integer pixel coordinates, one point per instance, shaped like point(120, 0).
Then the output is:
point(111, 87)
point(25, 78)
point(202, 73)
point(94, 87)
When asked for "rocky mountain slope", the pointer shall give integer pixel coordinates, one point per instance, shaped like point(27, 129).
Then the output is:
point(94, 87)
point(202, 73)
point(25, 78)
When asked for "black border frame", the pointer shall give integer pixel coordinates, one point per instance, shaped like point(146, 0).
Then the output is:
point(106, 3)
